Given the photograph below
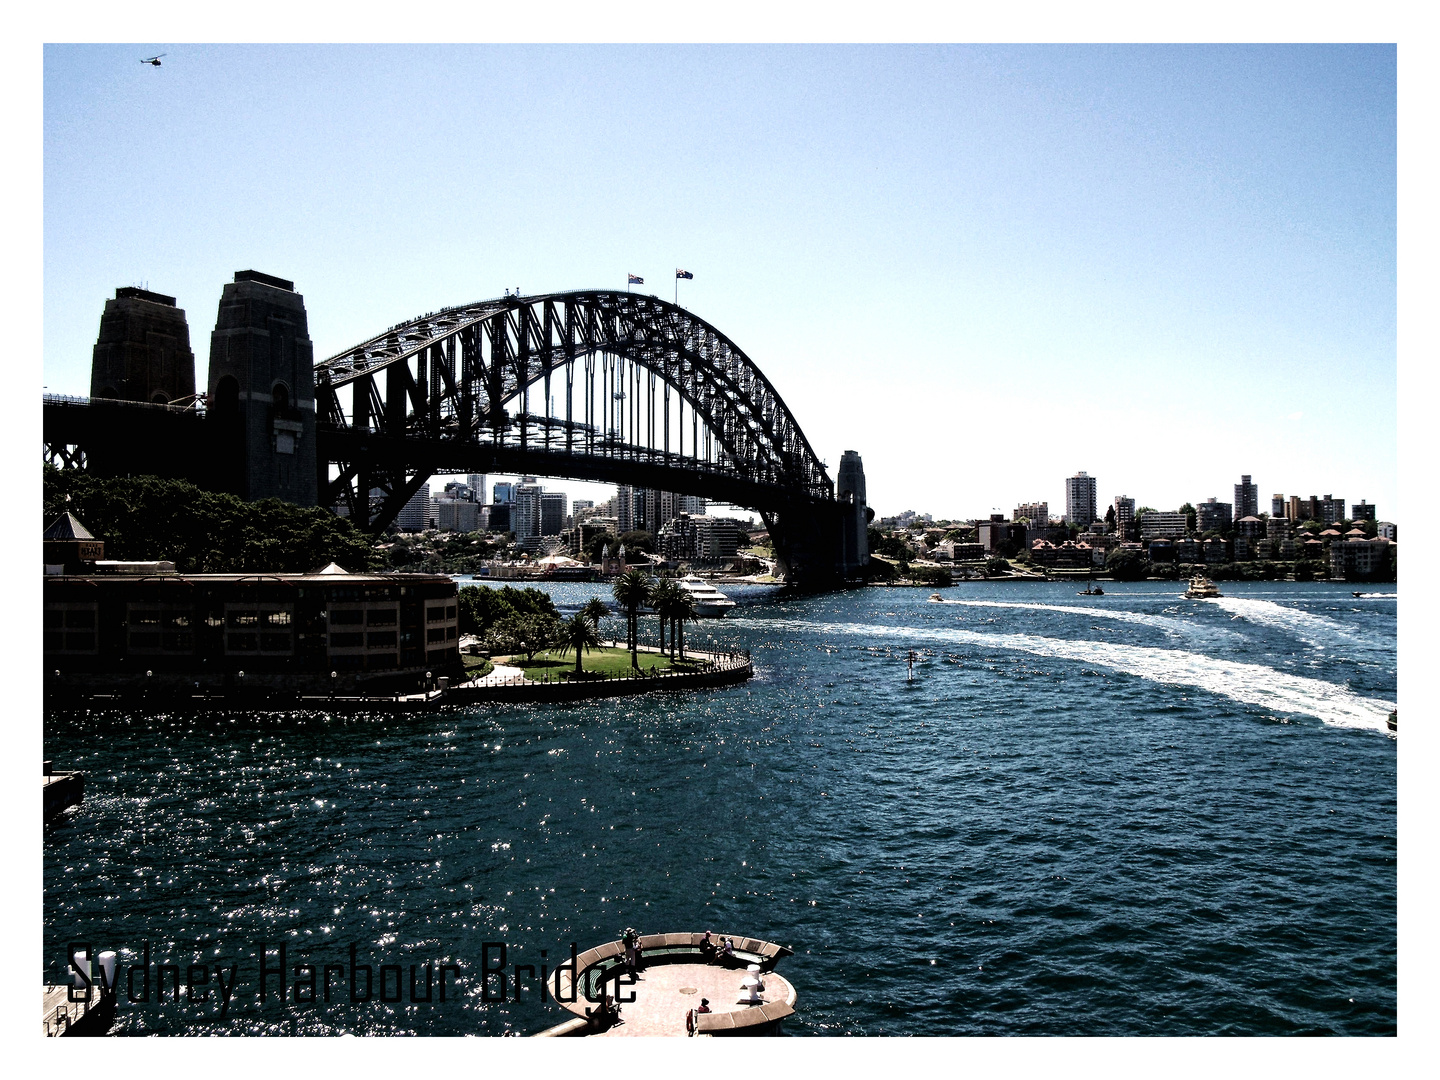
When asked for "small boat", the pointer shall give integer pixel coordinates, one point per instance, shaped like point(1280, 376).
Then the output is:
point(1390, 720)
point(1357, 595)
point(936, 598)
point(710, 602)
point(1092, 590)
point(1201, 588)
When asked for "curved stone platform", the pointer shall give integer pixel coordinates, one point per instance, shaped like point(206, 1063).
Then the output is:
point(673, 978)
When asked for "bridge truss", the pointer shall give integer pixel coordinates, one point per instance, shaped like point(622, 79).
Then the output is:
point(595, 385)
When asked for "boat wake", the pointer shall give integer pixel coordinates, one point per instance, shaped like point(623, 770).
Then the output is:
point(1168, 624)
point(1251, 684)
point(1315, 630)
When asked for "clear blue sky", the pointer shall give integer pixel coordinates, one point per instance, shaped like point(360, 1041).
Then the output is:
point(982, 268)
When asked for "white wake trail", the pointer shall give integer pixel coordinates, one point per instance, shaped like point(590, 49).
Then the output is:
point(1314, 630)
point(1252, 684)
point(1167, 623)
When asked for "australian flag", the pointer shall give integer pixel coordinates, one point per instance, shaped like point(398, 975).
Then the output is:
point(684, 274)
point(635, 279)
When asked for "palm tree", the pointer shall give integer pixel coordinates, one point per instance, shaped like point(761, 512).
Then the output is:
point(578, 633)
point(632, 592)
point(662, 597)
point(595, 609)
point(684, 610)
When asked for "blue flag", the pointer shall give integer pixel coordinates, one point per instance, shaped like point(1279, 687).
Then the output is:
point(685, 274)
point(634, 280)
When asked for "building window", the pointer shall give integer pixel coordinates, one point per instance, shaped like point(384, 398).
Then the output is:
point(381, 639)
point(434, 614)
point(346, 618)
point(435, 634)
point(346, 641)
point(244, 618)
point(277, 618)
point(275, 642)
point(240, 642)
point(381, 617)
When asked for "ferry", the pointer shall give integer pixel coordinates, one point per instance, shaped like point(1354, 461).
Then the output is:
point(710, 602)
point(1092, 590)
point(1201, 588)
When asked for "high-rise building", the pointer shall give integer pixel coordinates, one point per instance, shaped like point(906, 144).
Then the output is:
point(552, 512)
point(1332, 509)
point(418, 514)
point(625, 508)
point(525, 510)
point(504, 493)
point(1080, 499)
point(1277, 505)
point(1158, 524)
point(1247, 498)
point(1363, 511)
point(1037, 513)
point(476, 483)
point(1124, 513)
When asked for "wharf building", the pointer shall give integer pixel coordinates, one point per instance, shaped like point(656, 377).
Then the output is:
point(330, 631)
point(1080, 499)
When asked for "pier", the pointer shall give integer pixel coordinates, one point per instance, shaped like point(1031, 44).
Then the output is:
point(674, 976)
point(62, 790)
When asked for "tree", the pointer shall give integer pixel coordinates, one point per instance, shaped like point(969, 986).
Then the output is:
point(632, 592)
point(578, 633)
point(144, 518)
point(683, 609)
point(1110, 518)
point(595, 609)
point(996, 565)
point(528, 634)
point(599, 542)
point(1127, 564)
point(1189, 512)
point(638, 542)
point(662, 599)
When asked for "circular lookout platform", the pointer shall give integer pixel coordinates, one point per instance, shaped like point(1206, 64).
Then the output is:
point(674, 976)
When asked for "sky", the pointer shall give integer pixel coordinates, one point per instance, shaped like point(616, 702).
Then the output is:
point(984, 268)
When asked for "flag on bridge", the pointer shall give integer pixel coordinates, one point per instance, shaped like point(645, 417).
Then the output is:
point(684, 274)
point(635, 280)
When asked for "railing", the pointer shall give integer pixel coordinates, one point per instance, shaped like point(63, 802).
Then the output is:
point(196, 405)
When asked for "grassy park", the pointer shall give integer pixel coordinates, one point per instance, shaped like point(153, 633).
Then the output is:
point(604, 660)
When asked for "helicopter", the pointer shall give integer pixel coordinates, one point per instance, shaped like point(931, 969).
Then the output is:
point(154, 61)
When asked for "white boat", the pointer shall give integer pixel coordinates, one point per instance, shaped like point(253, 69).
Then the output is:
point(710, 602)
point(1201, 588)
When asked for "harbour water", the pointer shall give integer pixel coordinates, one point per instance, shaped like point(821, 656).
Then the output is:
point(1129, 814)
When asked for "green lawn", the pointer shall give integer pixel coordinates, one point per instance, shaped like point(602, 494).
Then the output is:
point(476, 666)
point(608, 661)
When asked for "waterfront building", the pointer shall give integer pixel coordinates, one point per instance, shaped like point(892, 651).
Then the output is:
point(1247, 498)
point(1244, 548)
point(1162, 550)
point(1187, 550)
point(1080, 499)
point(1036, 513)
point(1357, 559)
point(1362, 511)
point(1216, 551)
point(1124, 513)
point(223, 632)
point(1250, 527)
point(1212, 516)
point(1155, 524)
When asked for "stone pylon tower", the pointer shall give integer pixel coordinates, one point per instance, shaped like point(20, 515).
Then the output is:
point(262, 391)
point(854, 514)
point(143, 351)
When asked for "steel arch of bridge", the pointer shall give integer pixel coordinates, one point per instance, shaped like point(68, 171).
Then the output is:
point(433, 395)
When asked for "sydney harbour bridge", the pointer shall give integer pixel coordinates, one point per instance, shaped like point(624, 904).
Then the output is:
point(594, 385)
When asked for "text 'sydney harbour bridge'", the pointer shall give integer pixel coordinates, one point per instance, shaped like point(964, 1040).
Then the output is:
point(593, 385)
